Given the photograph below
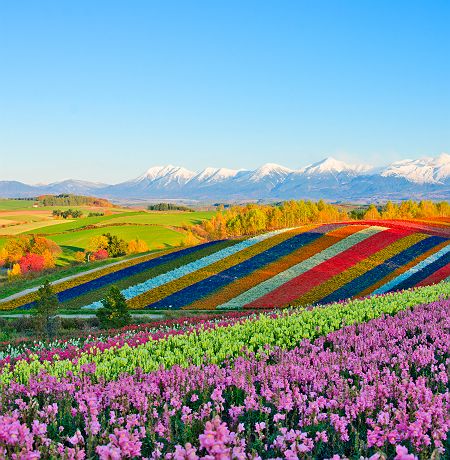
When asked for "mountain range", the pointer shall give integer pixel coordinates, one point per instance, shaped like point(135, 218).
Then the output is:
point(330, 179)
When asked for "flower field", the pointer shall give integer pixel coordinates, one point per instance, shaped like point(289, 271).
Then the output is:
point(363, 378)
point(300, 266)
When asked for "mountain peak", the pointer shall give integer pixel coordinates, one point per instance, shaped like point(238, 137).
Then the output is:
point(332, 165)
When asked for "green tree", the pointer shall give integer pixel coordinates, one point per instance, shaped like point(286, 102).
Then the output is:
point(46, 317)
point(114, 313)
point(116, 247)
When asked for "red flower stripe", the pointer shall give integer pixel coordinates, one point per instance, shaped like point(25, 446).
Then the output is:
point(300, 285)
point(402, 269)
point(437, 276)
point(269, 271)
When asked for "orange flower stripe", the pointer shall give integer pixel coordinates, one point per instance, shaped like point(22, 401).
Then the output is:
point(402, 269)
point(241, 285)
point(154, 295)
point(327, 287)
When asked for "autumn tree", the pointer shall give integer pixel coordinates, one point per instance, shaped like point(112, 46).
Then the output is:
point(137, 246)
point(372, 213)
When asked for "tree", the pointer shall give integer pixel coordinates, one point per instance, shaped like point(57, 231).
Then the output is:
point(97, 242)
point(137, 246)
point(15, 272)
point(47, 304)
point(116, 247)
point(114, 313)
point(372, 213)
point(80, 256)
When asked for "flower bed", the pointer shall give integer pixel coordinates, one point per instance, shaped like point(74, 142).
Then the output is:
point(183, 259)
point(134, 291)
point(359, 391)
point(93, 280)
point(420, 271)
point(290, 239)
point(371, 277)
point(285, 329)
point(347, 282)
point(206, 287)
point(239, 291)
point(274, 291)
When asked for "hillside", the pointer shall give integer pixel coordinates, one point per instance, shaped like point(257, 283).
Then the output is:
point(301, 266)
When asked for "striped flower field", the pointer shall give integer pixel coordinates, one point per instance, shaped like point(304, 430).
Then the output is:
point(300, 266)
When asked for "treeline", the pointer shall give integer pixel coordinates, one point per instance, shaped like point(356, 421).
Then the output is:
point(255, 218)
point(67, 214)
point(424, 209)
point(168, 207)
point(72, 200)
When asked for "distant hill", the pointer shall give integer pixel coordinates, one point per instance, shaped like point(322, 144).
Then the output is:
point(330, 179)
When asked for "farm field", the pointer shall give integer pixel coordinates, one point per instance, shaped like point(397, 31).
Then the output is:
point(302, 266)
point(157, 229)
point(361, 379)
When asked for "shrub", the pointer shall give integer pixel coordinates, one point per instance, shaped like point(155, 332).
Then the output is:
point(101, 254)
point(31, 263)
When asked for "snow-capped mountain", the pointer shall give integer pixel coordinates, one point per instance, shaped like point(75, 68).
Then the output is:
point(332, 166)
point(421, 171)
point(330, 179)
point(215, 175)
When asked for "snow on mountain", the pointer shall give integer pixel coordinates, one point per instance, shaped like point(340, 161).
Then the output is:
point(213, 175)
point(332, 166)
point(422, 171)
point(270, 174)
point(330, 178)
point(166, 175)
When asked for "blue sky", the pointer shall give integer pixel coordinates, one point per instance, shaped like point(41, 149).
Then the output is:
point(102, 90)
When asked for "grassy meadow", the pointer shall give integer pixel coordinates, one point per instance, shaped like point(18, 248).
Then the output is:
point(160, 230)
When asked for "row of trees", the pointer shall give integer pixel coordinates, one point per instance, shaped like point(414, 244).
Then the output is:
point(168, 207)
point(67, 214)
point(255, 218)
point(65, 199)
point(106, 245)
point(424, 209)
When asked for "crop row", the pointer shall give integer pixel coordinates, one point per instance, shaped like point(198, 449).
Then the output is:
point(114, 273)
point(378, 389)
point(286, 330)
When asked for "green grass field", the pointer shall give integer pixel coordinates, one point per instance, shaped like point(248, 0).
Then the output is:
point(154, 236)
point(14, 205)
point(160, 230)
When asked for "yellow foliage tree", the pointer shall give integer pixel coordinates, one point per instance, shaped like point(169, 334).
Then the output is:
point(49, 260)
point(14, 272)
point(137, 246)
point(80, 256)
point(372, 213)
point(97, 242)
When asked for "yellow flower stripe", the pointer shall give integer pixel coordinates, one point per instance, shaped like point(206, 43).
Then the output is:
point(326, 288)
point(62, 286)
point(241, 285)
point(402, 269)
point(154, 295)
